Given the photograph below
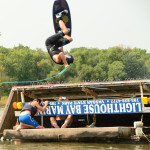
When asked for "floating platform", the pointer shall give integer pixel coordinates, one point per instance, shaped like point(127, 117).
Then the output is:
point(96, 134)
point(95, 98)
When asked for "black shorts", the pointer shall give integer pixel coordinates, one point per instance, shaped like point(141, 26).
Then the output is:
point(54, 50)
point(60, 122)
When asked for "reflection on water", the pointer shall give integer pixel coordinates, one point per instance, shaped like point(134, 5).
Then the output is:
point(17, 145)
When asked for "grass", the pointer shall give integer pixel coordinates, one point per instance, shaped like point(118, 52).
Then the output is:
point(3, 100)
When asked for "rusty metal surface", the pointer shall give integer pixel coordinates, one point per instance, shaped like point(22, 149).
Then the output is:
point(104, 90)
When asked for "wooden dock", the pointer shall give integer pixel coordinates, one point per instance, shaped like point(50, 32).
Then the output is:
point(104, 130)
point(96, 134)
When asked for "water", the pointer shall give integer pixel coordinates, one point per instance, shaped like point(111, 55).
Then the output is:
point(18, 145)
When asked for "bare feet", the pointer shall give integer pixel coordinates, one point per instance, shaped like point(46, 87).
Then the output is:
point(18, 128)
point(41, 127)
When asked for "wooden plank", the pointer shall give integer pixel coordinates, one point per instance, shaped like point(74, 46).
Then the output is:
point(8, 118)
point(22, 98)
point(90, 92)
point(141, 89)
point(146, 88)
point(29, 94)
point(70, 134)
point(124, 89)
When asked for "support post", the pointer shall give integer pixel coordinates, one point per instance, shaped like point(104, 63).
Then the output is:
point(22, 98)
point(141, 90)
point(42, 118)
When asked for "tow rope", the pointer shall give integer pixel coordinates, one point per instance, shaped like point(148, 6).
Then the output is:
point(37, 80)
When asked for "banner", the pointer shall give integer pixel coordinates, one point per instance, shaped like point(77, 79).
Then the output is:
point(114, 106)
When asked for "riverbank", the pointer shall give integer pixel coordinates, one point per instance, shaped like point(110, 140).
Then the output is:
point(3, 101)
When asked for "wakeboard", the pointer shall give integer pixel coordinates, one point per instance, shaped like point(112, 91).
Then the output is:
point(58, 6)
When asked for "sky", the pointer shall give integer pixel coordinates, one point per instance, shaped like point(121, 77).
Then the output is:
point(95, 23)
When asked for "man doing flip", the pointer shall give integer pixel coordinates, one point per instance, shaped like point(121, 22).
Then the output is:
point(56, 42)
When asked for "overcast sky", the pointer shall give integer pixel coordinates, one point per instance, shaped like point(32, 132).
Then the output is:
point(95, 23)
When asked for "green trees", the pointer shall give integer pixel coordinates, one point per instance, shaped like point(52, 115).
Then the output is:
point(24, 64)
point(116, 71)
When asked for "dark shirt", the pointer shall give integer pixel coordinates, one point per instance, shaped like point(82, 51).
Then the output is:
point(30, 108)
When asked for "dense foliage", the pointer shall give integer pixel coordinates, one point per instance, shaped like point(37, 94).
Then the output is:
point(91, 64)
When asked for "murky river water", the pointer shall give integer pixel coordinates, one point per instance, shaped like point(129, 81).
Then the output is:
point(17, 145)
